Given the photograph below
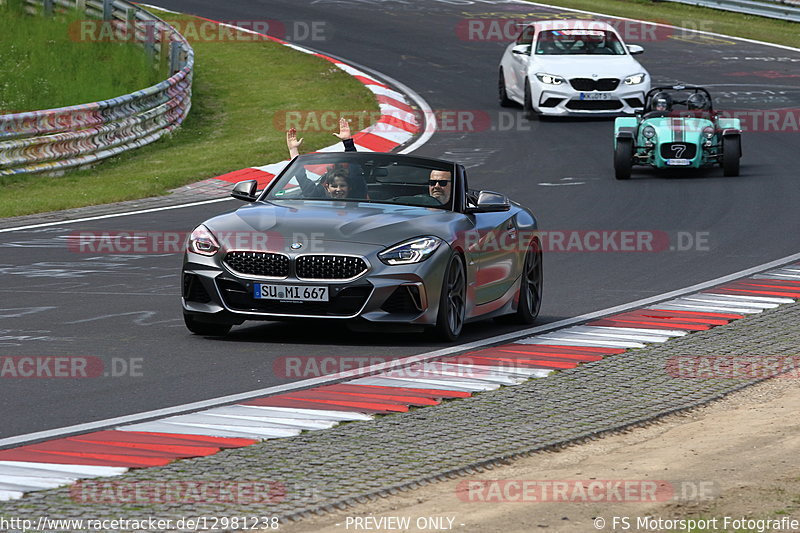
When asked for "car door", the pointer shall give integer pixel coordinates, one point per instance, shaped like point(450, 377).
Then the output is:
point(519, 63)
point(493, 246)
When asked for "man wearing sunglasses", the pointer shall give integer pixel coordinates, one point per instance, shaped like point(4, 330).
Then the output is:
point(440, 184)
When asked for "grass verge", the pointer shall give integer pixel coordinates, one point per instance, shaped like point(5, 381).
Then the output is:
point(46, 65)
point(694, 18)
point(241, 88)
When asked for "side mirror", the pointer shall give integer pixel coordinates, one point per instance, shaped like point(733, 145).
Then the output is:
point(522, 49)
point(245, 190)
point(635, 49)
point(490, 202)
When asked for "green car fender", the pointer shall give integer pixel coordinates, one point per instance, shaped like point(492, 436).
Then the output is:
point(624, 126)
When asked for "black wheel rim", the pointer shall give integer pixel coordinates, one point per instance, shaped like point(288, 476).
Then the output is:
point(533, 280)
point(456, 287)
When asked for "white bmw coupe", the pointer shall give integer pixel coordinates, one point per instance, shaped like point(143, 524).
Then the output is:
point(572, 67)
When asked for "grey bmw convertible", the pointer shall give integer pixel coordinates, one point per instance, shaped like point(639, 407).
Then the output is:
point(367, 238)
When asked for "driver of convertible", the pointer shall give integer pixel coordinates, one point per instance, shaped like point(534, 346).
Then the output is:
point(440, 185)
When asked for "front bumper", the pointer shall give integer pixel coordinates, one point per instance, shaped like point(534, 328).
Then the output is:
point(395, 294)
point(564, 100)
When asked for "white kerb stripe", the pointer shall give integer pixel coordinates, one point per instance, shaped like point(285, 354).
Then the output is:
point(386, 92)
point(424, 384)
point(315, 414)
point(70, 470)
point(740, 297)
point(28, 484)
point(645, 331)
point(6, 495)
point(579, 339)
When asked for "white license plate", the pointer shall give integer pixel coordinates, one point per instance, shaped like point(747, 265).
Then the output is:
point(678, 162)
point(595, 96)
point(296, 293)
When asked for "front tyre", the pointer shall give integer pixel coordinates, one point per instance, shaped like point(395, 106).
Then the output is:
point(502, 95)
point(207, 329)
point(623, 159)
point(527, 106)
point(731, 153)
point(452, 301)
point(530, 288)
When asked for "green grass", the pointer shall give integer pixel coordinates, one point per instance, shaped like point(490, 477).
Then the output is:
point(695, 18)
point(46, 65)
point(240, 87)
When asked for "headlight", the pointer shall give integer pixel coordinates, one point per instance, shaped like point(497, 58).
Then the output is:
point(636, 79)
point(550, 79)
point(649, 132)
point(409, 252)
point(202, 242)
point(708, 132)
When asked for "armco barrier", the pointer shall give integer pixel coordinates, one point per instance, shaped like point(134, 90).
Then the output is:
point(56, 139)
point(777, 9)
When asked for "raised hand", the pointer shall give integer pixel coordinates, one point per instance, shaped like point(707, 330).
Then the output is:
point(344, 130)
point(293, 143)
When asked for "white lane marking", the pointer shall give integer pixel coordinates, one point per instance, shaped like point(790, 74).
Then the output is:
point(114, 215)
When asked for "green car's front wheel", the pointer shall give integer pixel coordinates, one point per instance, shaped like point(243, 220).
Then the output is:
point(731, 153)
point(623, 159)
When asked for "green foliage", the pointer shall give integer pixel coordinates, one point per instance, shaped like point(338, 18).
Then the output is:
point(46, 63)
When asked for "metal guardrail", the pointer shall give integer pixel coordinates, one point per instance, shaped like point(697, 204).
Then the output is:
point(784, 10)
point(53, 140)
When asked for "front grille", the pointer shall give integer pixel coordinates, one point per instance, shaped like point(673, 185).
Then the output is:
point(329, 267)
point(594, 105)
point(589, 84)
point(678, 150)
point(263, 264)
point(346, 301)
point(193, 289)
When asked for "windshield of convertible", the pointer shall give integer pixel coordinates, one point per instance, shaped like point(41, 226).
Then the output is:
point(366, 177)
point(579, 42)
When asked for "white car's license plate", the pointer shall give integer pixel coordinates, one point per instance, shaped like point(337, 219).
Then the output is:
point(595, 96)
point(678, 162)
point(298, 293)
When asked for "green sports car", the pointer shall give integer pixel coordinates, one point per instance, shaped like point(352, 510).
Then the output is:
point(677, 129)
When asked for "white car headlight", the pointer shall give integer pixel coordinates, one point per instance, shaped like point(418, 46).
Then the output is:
point(649, 132)
point(708, 132)
point(202, 241)
point(635, 79)
point(550, 79)
point(409, 252)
